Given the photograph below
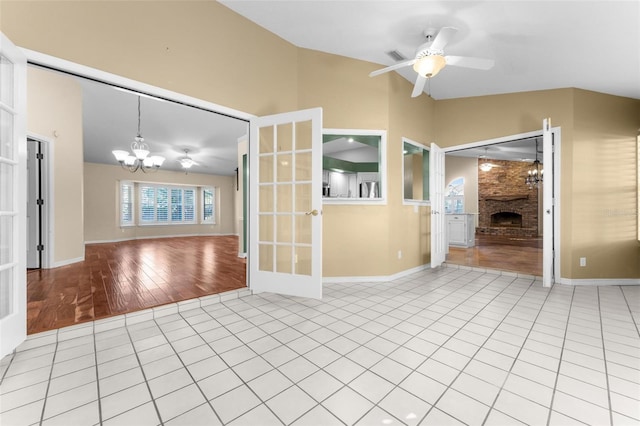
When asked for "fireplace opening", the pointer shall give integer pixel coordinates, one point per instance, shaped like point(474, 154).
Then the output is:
point(506, 219)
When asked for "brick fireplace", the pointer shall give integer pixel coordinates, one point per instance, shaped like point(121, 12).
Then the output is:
point(506, 206)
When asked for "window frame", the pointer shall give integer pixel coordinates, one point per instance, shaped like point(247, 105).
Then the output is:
point(130, 185)
point(382, 168)
point(407, 201)
point(455, 197)
point(203, 219)
point(169, 189)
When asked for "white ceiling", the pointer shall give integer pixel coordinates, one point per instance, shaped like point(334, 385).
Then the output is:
point(110, 121)
point(592, 45)
point(536, 45)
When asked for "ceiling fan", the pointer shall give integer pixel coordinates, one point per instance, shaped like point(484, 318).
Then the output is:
point(486, 165)
point(429, 59)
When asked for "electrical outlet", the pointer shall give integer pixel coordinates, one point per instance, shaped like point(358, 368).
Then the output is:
point(399, 254)
point(583, 261)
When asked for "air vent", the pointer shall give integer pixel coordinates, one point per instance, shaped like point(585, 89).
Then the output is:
point(396, 56)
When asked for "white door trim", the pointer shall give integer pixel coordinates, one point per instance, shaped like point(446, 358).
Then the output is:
point(556, 181)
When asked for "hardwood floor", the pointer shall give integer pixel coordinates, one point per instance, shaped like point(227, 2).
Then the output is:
point(117, 278)
point(522, 255)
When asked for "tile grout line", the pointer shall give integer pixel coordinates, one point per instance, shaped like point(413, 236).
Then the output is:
point(604, 357)
point(144, 376)
point(564, 339)
point(46, 394)
point(448, 387)
point(95, 356)
point(442, 344)
point(515, 359)
point(229, 367)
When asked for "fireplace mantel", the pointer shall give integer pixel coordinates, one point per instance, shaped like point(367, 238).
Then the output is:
point(511, 197)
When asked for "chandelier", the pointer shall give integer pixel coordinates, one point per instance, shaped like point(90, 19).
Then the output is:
point(535, 173)
point(140, 159)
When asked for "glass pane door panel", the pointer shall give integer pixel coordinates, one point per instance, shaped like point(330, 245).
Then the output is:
point(6, 242)
point(7, 145)
point(266, 229)
point(285, 137)
point(6, 187)
point(303, 260)
point(266, 257)
point(6, 292)
point(284, 227)
point(285, 198)
point(303, 198)
point(266, 198)
point(266, 169)
point(303, 135)
point(266, 140)
point(303, 166)
point(303, 229)
point(283, 259)
point(285, 168)
point(6, 82)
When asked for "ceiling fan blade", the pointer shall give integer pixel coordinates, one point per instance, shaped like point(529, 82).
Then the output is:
point(443, 37)
point(419, 87)
point(393, 67)
point(470, 62)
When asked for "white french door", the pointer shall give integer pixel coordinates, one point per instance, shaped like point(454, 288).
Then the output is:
point(285, 203)
point(548, 207)
point(13, 189)
point(436, 190)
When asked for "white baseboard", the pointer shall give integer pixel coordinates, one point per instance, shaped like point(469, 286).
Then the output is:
point(67, 262)
point(378, 278)
point(598, 281)
point(119, 240)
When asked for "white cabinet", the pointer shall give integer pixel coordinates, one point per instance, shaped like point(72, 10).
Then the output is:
point(461, 230)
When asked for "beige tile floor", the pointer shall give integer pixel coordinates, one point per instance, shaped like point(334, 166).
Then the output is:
point(445, 346)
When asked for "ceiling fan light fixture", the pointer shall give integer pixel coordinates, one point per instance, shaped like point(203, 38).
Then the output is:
point(430, 65)
point(186, 162)
point(485, 167)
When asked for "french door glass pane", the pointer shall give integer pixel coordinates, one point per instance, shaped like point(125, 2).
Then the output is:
point(7, 146)
point(265, 254)
point(303, 261)
point(303, 135)
point(6, 241)
point(6, 82)
point(6, 292)
point(6, 187)
point(283, 259)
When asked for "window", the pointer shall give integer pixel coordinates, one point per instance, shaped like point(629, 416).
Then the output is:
point(208, 197)
point(454, 197)
point(415, 171)
point(126, 204)
point(354, 166)
point(166, 204)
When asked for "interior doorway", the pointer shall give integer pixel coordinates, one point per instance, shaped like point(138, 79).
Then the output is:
point(72, 280)
point(503, 207)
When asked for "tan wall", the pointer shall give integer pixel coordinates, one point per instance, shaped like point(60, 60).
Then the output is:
point(201, 48)
point(198, 48)
point(101, 203)
point(54, 111)
point(605, 191)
